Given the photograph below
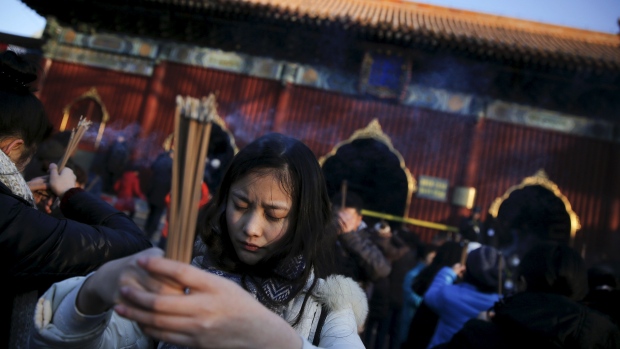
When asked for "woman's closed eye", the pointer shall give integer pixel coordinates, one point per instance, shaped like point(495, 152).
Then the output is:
point(274, 217)
point(240, 204)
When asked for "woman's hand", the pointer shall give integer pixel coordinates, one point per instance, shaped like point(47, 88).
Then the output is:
point(200, 309)
point(102, 289)
point(43, 198)
point(59, 183)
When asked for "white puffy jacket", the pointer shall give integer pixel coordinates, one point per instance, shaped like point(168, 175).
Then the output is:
point(59, 325)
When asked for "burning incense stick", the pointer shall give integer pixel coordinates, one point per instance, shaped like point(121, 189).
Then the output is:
point(464, 252)
point(343, 194)
point(500, 268)
point(76, 136)
point(191, 139)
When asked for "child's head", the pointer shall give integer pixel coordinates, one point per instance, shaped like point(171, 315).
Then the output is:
point(271, 207)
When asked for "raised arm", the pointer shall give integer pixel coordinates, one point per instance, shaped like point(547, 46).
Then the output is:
point(94, 233)
point(434, 296)
point(367, 253)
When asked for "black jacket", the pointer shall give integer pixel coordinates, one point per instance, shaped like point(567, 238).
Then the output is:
point(539, 320)
point(159, 180)
point(359, 258)
point(380, 300)
point(38, 249)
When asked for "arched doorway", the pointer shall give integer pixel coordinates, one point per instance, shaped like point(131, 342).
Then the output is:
point(89, 106)
point(537, 204)
point(89, 154)
point(373, 169)
point(533, 211)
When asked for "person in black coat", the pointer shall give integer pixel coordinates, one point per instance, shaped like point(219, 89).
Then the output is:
point(160, 182)
point(400, 267)
point(604, 291)
point(356, 255)
point(36, 248)
point(547, 312)
point(470, 228)
point(378, 323)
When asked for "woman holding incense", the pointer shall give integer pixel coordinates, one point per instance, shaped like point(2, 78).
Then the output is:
point(260, 277)
point(36, 248)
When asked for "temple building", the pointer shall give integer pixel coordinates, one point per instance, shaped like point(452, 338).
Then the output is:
point(425, 111)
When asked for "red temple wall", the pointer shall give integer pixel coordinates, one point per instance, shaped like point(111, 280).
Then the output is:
point(489, 155)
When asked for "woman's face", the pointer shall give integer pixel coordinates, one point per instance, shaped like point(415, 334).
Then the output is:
point(257, 213)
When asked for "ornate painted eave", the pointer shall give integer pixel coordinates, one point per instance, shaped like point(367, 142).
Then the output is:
point(402, 23)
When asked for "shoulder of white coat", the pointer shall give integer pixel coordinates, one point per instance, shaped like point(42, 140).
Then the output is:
point(339, 292)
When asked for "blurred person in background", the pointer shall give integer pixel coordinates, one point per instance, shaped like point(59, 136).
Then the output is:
point(424, 321)
point(461, 292)
point(546, 311)
point(357, 256)
point(471, 227)
point(604, 291)
point(380, 304)
point(411, 300)
point(159, 185)
point(127, 188)
point(38, 249)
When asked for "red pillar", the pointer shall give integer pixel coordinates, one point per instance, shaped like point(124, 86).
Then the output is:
point(282, 106)
point(471, 172)
point(151, 106)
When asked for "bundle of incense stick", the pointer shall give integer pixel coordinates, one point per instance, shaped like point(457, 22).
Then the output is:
point(193, 119)
point(76, 136)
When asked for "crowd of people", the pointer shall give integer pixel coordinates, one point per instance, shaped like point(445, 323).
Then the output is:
point(276, 263)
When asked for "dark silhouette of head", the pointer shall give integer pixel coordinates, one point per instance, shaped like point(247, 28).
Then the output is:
point(554, 268)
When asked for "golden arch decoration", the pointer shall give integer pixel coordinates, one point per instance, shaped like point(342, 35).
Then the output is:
point(105, 117)
point(374, 131)
point(540, 178)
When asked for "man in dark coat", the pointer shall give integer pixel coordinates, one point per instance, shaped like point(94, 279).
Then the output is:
point(357, 256)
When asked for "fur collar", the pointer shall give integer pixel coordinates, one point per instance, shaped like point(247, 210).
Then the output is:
point(339, 292)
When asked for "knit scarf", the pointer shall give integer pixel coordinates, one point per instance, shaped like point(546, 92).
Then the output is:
point(13, 179)
point(274, 290)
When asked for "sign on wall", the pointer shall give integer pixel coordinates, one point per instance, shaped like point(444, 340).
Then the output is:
point(433, 188)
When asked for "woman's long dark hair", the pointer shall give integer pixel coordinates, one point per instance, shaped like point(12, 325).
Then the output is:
point(311, 231)
point(448, 254)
